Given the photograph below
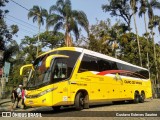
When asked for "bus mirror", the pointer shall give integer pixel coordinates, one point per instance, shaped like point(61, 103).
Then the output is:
point(50, 58)
point(29, 66)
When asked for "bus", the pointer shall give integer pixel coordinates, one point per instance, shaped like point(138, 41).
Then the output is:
point(72, 76)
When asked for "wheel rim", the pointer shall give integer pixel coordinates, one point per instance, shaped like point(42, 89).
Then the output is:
point(142, 97)
point(136, 98)
point(81, 101)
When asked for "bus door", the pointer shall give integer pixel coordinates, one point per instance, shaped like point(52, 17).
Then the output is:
point(59, 74)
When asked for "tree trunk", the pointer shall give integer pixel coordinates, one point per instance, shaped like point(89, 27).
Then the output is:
point(139, 51)
point(155, 59)
point(38, 41)
point(129, 26)
point(147, 44)
point(67, 38)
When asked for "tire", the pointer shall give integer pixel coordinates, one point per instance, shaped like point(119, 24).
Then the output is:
point(79, 101)
point(142, 97)
point(136, 98)
point(56, 108)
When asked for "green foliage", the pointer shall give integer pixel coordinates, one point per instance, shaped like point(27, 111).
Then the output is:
point(104, 37)
point(119, 8)
point(63, 17)
point(51, 40)
point(38, 14)
point(28, 48)
point(7, 44)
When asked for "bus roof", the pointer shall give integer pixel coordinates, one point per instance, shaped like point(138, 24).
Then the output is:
point(62, 48)
point(89, 52)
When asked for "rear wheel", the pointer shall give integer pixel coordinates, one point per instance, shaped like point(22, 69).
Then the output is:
point(79, 101)
point(136, 97)
point(142, 97)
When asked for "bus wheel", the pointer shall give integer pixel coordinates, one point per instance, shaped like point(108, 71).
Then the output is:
point(56, 108)
point(142, 97)
point(79, 101)
point(136, 97)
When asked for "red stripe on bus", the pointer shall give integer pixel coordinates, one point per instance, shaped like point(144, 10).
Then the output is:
point(111, 71)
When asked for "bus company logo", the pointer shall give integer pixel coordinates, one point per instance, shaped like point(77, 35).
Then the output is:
point(6, 114)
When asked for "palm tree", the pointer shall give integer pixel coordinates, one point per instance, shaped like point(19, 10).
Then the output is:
point(142, 11)
point(134, 9)
point(63, 17)
point(38, 14)
point(153, 4)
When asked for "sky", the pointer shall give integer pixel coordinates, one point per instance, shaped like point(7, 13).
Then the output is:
point(92, 8)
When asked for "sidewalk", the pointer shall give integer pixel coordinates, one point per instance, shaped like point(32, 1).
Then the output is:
point(2, 101)
point(5, 105)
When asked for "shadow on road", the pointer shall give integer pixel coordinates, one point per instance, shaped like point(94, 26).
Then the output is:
point(72, 112)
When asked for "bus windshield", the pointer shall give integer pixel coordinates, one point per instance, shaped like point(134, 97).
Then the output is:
point(37, 75)
point(60, 69)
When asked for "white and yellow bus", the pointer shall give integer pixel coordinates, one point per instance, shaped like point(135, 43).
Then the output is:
point(80, 77)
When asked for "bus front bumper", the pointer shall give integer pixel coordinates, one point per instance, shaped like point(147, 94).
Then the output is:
point(45, 100)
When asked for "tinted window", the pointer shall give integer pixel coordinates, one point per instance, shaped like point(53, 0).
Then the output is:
point(104, 65)
point(91, 63)
point(59, 70)
point(71, 61)
point(40, 76)
point(88, 63)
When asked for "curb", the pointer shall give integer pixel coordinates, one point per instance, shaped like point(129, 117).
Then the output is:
point(5, 102)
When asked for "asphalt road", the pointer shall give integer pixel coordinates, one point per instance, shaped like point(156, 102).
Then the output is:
point(149, 110)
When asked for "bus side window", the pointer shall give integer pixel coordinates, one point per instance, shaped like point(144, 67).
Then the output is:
point(104, 65)
point(88, 63)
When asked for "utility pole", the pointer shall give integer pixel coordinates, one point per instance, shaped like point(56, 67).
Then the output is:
point(1, 71)
point(3, 84)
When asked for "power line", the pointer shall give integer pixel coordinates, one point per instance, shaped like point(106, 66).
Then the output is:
point(20, 5)
point(22, 21)
point(26, 30)
point(25, 8)
point(25, 22)
point(23, 30)
point(21, 24)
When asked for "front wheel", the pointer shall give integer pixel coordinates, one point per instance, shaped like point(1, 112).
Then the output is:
point(79, 101)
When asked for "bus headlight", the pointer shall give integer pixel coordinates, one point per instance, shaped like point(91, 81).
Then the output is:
point(41, 93)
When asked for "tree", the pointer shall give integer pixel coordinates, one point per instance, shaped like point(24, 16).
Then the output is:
point(6, 33)
point(133, 4)
point(142, 11)
point(7, 44)
point(28, 49)
point(153, 4)
point(104, 37)
point(119, 8)
point(99, 38)
point(129, 49)
point(38, 14)
point(52, 40)
point(63, 17)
